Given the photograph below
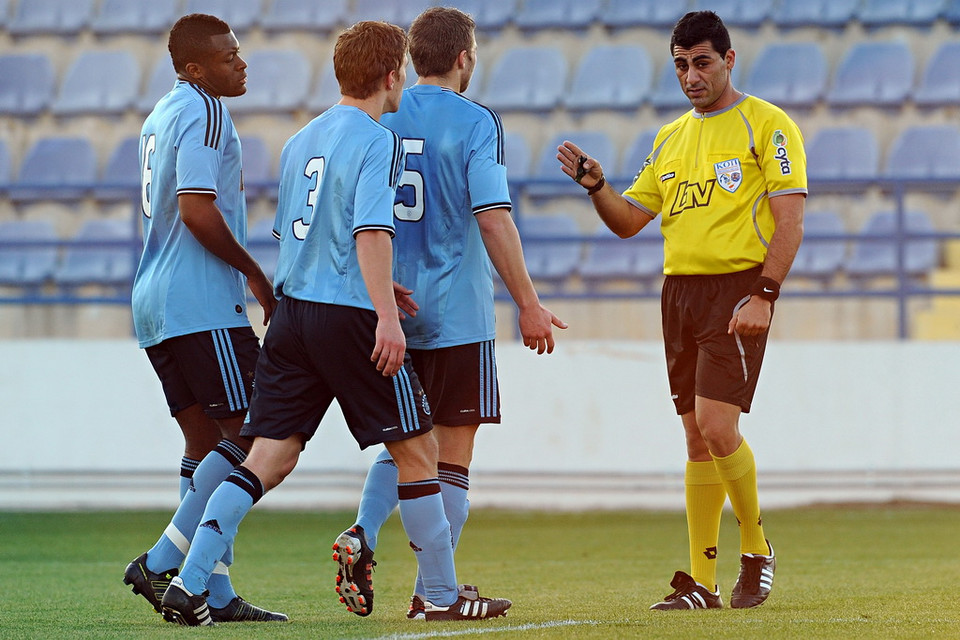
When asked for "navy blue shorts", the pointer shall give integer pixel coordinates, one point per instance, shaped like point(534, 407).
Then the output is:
point(213, 368)
point(702, 358)
point(461, 382)
point(314, 353)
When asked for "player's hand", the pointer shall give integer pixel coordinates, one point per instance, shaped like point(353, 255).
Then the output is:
point(536, 328)
point(405, 304)
point(752, 319)
point(390, 347)
point(569, 156)
point(262, 290)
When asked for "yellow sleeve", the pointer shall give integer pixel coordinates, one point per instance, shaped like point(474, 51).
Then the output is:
point(781, 155)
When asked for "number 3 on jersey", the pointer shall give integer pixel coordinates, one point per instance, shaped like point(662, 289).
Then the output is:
point(314, 168)
point(410, 178)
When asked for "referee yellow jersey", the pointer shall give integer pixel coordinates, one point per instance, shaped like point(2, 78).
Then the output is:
point(711, 177)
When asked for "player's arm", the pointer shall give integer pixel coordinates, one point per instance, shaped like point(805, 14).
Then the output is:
point(203, 218)
point(375, 255)
point(619, 215)
point(502, 241)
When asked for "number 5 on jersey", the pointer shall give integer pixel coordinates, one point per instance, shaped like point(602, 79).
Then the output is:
point(410, 178)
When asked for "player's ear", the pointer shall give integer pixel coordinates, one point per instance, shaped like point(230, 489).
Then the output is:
point(193, 70)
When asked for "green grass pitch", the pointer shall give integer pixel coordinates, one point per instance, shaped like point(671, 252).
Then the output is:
point(885, 571)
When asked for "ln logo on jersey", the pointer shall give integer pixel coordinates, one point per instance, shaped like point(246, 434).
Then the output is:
point(780, 142)
point(729, 175)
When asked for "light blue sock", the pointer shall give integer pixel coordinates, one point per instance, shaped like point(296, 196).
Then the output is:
point(214, 537)
point(172, 546)
point(187, 467)
point(219, 584)
point(421, 511)
point(454, 487)
point(379, 497)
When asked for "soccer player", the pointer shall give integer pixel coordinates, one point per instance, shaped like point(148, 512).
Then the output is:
point(189, 293)
point(729, 180)
point(336, 334)
point(453, 218)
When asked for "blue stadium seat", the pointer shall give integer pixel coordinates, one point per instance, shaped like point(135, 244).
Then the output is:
point(300, 15)
point(600, 82)
point(877, 74)
point(637, 258)
point(748, 14)
point(26, 83)
point(881, 13)
point(241, 15)
point(490, 17)
point(277, 82)
point(104, 264)
point(55, 169)
point(263, 246)
point(527, 79)
point(790, 75)
point(623, 14)
point(940, 83)
point(326, 89)
point(162, 79)
point(534, 15)
point(551, 181)
point(258, 168)
point(814, 13)
point(871, 258)
point(388, 11)
point(951, 12)
point(820, 259)
point(550, 260)
point(27, 266)
point(634, 156)
point(518, 157)
point(99, 83)
point(120, 178)
point(925, 152)
point(135, 16)
point(843, 153)
point(57, 17)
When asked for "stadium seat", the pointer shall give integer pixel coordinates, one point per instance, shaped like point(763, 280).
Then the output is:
point(277, 82)
point(374, 10)
point(611, 257)
point(516, 151)
point(490, 17)
point(599, 81)
point(634, 156)
point(135, 16)
point(26, 83)
point(98, 83)
point(940, 83)
point(550, 258)
point(258, 168)
point(534, 15)
point(790, 75)
point(748, 14)
point(303, 15)
point(241, 15)
point(326, 90)
point(549, 181)
point(818, 258)
point(951, 12)
point(843, 153)
point(527, 79)
point(55, 169)
point(814, 13)
point(54, 17)
point(86, 262)
point(263, 246)
point(877, 74)
point(925, 152)
point(623, 14)
point(882, 13)
point(120, 178)
point(871, 258)
point(27, 266)
point(162, 79)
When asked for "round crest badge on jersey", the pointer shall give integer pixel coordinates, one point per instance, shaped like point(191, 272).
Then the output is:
point(729, 175)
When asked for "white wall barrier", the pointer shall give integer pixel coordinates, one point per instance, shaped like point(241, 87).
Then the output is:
point(84, 425)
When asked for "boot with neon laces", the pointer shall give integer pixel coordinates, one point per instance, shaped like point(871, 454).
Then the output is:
point(355, 571)
point(755, 580)
point(185, 608)
point(468, 606)
point(146, 583)
point(239, 610)
point(688, 594)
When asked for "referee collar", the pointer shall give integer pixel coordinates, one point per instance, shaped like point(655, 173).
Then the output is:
point(698, 115)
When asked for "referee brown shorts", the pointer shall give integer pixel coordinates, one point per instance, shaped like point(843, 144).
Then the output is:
point(702, 358)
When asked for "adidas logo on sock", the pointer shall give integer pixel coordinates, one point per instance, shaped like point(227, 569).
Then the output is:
point(212, 524)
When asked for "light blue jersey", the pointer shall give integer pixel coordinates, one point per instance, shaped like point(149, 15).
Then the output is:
point(338, 177)
point(188, 144)
point(454, 170)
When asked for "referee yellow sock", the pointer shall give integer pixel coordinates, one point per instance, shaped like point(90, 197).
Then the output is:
point(738, 471)
point(705, 496)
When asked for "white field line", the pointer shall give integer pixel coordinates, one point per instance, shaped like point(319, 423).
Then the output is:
point(468, 632)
